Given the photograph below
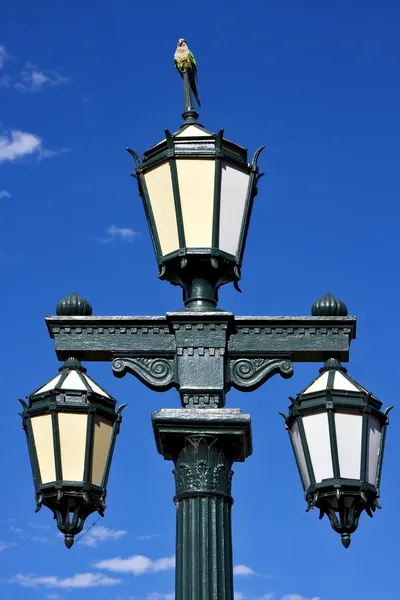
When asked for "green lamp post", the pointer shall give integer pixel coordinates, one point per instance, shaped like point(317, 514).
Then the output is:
point(198, 189)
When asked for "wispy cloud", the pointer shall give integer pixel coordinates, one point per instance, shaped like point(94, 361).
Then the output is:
point(150, 536)
point(158, 596)
point(24, 536)
point(53, 597)
point(18, 144)
point(80, 580)
point(4, 194)
point(40, 526)
point(243, 570)
point(3, 56)
point(3, 546)
point(137, 564)
point(122, 233)
point(100, 534)
point(33, 79)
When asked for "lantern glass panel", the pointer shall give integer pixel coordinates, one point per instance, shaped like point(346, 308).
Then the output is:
point(159, 185)
point(348, 435)
point(73, 431)
point(43, 437)
point(196, 188)
point(101, 444)
point(317, 433)
point(374, 445)
point(234, 185)
point(301, 459)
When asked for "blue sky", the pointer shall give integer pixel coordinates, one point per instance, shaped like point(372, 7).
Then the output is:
point(318, 84)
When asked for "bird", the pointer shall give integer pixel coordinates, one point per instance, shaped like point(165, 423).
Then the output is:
point(185, 60)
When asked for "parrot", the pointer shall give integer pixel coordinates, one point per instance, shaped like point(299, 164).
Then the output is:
point(184, 59)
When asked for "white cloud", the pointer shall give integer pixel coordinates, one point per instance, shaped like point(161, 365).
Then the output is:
point(136, 564)
point(243, 570)
point(157, 596)
point(40, 526)
point(3, 546)
point(239, 596)
point(100, 534)
point(3, 56)
point(80, 580)
point(124, 233)
point(266, 597)
point(297, 597)
point(32, 79)
point(53, 597)
point(150, 536)
point(18, 144)
point(4, 194)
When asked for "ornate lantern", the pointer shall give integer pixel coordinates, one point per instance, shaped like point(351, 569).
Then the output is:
point(337, 431)
point(197, 190)
point(71, 426)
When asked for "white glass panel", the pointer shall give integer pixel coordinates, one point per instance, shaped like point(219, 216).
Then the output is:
point(348, 436)
point(234, 184)
point(43, 437)
point(319, 384)
point(49, 386)
point(95, 387)
point(72, 429)
point(159, 186)
point(73, 382)
point(341, 382)
point(101, 445)
point(374, 441)
point(317, 434)
point(193, 131)
point(196, 188)
point(301, 459)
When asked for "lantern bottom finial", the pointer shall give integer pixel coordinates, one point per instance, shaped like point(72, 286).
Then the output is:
point(346, 540)
point(69, 540)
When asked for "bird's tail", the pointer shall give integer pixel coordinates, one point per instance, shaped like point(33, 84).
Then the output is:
point(194, 87)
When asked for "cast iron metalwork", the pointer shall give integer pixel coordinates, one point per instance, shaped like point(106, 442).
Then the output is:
point(342, 499)
point(70, 501)
point(73, 305)
point(329, 306)
point(203, 444)
point(203, 352)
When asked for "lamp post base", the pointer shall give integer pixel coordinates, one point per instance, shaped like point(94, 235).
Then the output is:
point(203, 444)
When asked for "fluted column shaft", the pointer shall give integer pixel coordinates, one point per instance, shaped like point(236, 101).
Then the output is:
point(203, 443)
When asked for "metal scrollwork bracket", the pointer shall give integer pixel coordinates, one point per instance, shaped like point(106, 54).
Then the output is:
point(248, 374)
point(158, 374)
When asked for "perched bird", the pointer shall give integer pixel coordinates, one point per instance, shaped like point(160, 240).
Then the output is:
point(184, 59)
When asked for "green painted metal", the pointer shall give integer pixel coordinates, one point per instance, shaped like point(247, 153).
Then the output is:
point(70, 501)
point(73, 305)
point(329, 306)
point(203, 444)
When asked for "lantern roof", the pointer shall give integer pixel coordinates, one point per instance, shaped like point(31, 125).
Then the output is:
point(72, 377)
point(333, 376)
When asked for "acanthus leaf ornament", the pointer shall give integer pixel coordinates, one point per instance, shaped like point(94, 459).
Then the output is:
point(156, 373)
point(248, 374)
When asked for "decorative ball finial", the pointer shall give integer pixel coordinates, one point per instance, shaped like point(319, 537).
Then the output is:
point(329, 306)
point(73, 306)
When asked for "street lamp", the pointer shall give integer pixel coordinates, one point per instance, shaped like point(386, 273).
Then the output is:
point(71, 426)
point(338, 433)
point(198, 189)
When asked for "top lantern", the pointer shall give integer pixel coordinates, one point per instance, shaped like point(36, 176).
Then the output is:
point(198, 190)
